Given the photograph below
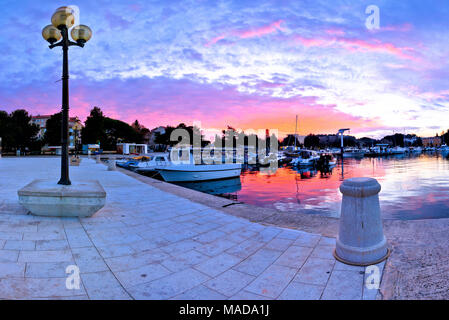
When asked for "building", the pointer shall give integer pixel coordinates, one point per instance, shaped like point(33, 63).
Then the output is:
point(329, 139)
point(151, 137)
point(41, 122)
point(132, 148)
point(75, 125)
point(432, 142)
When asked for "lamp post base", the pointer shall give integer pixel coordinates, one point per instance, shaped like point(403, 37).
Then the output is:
point(45, 198)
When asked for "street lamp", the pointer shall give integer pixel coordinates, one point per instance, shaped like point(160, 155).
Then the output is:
point(62, 20)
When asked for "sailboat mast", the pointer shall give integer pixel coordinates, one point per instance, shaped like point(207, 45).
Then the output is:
point(296, 129)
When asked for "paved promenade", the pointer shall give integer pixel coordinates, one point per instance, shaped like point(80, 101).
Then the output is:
point(150, 244)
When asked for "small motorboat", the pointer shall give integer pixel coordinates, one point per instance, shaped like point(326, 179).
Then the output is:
point(306, 158)
point(200, 172)
point(151, 163)
point(353, 153)
point(189, 170)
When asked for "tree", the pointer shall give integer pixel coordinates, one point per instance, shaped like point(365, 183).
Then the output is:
point(312, 141)
point(290, 141)
point(93, 131)
point(52, 135)
point(165, 138)
point(141, 131)
point(108, 132)
point(17, 131)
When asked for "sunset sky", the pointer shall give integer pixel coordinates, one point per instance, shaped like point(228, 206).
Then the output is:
point(248, 64)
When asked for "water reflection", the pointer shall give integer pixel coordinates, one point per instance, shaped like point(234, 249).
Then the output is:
point(222, 187)
point(413, 187)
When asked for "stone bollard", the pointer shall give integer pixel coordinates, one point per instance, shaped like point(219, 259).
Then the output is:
point(361, 240)
point(98, 160)
point(111, 164)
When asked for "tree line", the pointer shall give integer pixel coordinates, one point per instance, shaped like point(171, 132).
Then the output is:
point(19, 133)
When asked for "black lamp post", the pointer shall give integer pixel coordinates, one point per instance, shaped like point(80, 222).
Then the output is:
point(62, 20)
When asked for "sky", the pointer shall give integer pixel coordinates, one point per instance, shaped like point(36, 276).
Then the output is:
point(247, 64)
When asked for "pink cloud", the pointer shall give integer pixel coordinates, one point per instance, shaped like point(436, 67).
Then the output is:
point(164, 101)
point(335, 32)
point(357, 45)
point(406, 27)
point(251, 33)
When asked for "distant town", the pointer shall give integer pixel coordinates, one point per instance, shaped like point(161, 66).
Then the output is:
point(25, 134)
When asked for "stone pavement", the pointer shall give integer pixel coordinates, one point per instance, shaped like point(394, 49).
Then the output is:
point(150, 244)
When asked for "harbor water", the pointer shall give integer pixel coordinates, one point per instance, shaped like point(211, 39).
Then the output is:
point(413, 187)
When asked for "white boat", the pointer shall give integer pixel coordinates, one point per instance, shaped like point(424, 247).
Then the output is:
point(415, 150)
point(194, 172)
point(150, 164)
point(189, 170)
point(353, 153)
point(398, 150)
point(306, 158)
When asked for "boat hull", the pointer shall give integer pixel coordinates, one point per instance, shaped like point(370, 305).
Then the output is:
point(199, 173)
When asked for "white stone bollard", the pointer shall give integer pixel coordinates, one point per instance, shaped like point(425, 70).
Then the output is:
point(98, 160)
point(361, 240)
point(111, 164)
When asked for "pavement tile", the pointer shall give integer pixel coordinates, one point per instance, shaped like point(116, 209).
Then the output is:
point(103, 286)
point(294, 257)
point(200, 293)
point(115, 251)
point(136, 260)
point(184, 260)
point(144, 274)
point(307, 240)
point(209, 236)
point(19, 245)
point(77, 238)
point(344, 285)
point(52, 245)
point(55, 235)
point(169, 286)
point(229, 282)
point(218, 264)
point(279, 244)
point(301, 291)
point(245, 295)
point(12, 269)
point(258, 262)
point(245, 248)
point(315, 271)
point(323, 252)
point(28, 288)
point(89, 260)
point(10, 235)
point(272, 281)
point(46, 256)
point(9, 255)
point(216, 247)
point(47, 269)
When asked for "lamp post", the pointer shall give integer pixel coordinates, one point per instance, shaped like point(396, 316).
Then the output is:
point(62, 20)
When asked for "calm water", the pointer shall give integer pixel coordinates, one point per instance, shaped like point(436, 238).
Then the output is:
point(413, 187)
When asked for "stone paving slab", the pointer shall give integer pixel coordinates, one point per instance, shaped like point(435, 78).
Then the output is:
point(150, 244)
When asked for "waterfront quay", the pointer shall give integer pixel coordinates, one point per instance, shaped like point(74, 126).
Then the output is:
point(153, 240)
point(150, 244)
